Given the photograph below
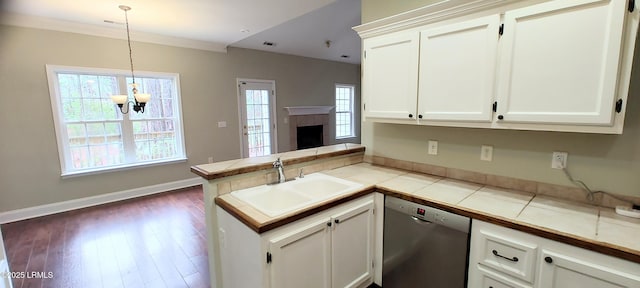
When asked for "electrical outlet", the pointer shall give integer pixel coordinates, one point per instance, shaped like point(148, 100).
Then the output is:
point(433, 147)
point(222, 124)
point(559, 160)
point(486, 153)
point(210, 159)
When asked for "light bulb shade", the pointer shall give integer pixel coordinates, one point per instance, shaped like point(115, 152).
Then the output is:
point(119, 99)
point(142, 97)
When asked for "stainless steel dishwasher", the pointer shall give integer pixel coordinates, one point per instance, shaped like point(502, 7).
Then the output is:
point(423, 246)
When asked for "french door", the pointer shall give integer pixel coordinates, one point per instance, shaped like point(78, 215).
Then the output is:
point(257, 117)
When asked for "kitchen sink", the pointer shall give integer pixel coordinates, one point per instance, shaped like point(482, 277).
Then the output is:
point(278, 199)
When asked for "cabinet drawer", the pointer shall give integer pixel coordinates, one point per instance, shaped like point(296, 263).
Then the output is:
point(509, 255)
point(493, 280)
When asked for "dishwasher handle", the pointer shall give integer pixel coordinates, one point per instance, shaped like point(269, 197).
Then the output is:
point(420, 221)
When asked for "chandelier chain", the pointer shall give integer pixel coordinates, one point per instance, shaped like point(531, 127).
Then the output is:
point(129, 42)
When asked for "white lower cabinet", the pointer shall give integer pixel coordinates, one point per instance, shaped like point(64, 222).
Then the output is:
point(494, 280)
point(334, 248)
point(303, 257)
point(570, 270)
point(524, 260)
point(352, 246)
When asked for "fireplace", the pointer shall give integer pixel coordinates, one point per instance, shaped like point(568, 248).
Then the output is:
point(308, 126)
point(309, 136)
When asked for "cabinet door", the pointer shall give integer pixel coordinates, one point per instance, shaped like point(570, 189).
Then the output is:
point(562, 271)
point(457, 70)
point(390, 77)
point(352, 240)
point(300, 258)
point(560, 62)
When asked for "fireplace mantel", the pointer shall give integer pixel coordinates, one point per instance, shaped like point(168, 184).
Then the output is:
point(308, 110)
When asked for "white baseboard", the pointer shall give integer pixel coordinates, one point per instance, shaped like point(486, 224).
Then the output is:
point(48, 209)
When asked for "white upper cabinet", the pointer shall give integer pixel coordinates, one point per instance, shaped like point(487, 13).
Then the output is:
point(457, 70)
point(390, 76)
point(560, 65)
point(560, 62)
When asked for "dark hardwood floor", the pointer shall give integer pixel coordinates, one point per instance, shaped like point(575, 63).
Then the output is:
point(153, 241)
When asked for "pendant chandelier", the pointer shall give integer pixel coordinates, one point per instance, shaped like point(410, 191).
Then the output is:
point(140, 99)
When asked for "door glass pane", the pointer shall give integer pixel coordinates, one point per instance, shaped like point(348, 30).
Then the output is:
point(258, 122)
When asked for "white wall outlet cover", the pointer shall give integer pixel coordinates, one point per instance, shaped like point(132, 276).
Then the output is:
point(486, 153)
point(433, 147)
point(559, 160)
point(286, 120)
point(210, 159)
point(222, 124)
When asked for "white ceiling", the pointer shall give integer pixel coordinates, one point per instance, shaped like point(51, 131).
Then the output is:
point(298, 27)
point(307, 34)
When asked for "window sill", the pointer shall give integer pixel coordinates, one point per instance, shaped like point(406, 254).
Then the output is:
point(122, 167)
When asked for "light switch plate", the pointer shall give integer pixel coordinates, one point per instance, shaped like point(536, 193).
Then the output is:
point(433, 147)
point(486, 153)
point(222, 124)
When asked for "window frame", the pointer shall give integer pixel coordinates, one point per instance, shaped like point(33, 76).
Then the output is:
point(121, 75)
point(352, 111)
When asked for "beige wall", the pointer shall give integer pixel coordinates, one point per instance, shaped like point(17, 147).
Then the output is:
point(377, 9)
point(604, 162)
point(29, 166)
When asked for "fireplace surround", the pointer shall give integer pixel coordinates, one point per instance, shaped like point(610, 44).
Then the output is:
point(305, 116)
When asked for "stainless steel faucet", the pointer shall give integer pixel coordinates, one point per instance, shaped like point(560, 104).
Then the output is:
point(278, 165)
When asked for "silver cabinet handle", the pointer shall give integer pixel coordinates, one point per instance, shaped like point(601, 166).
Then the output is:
point(513, 259)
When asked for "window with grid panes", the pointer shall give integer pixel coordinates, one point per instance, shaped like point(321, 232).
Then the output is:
point(93, 135)
point(344, 111)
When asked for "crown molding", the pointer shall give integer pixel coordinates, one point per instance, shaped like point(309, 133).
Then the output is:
point(36, 22)
point(443, 10)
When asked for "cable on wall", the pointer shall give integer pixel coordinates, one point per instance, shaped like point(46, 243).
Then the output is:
point(590, 193)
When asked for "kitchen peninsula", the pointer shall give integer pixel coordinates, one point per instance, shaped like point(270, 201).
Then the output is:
point(520, 205)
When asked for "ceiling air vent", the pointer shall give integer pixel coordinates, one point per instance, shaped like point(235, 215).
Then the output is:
point(267, 43)
point(345, 56)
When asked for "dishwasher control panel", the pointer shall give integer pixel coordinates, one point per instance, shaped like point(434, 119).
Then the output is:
point(427, 213)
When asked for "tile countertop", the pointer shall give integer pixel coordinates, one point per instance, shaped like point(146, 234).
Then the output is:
point(595, 228)
point(245, 165)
